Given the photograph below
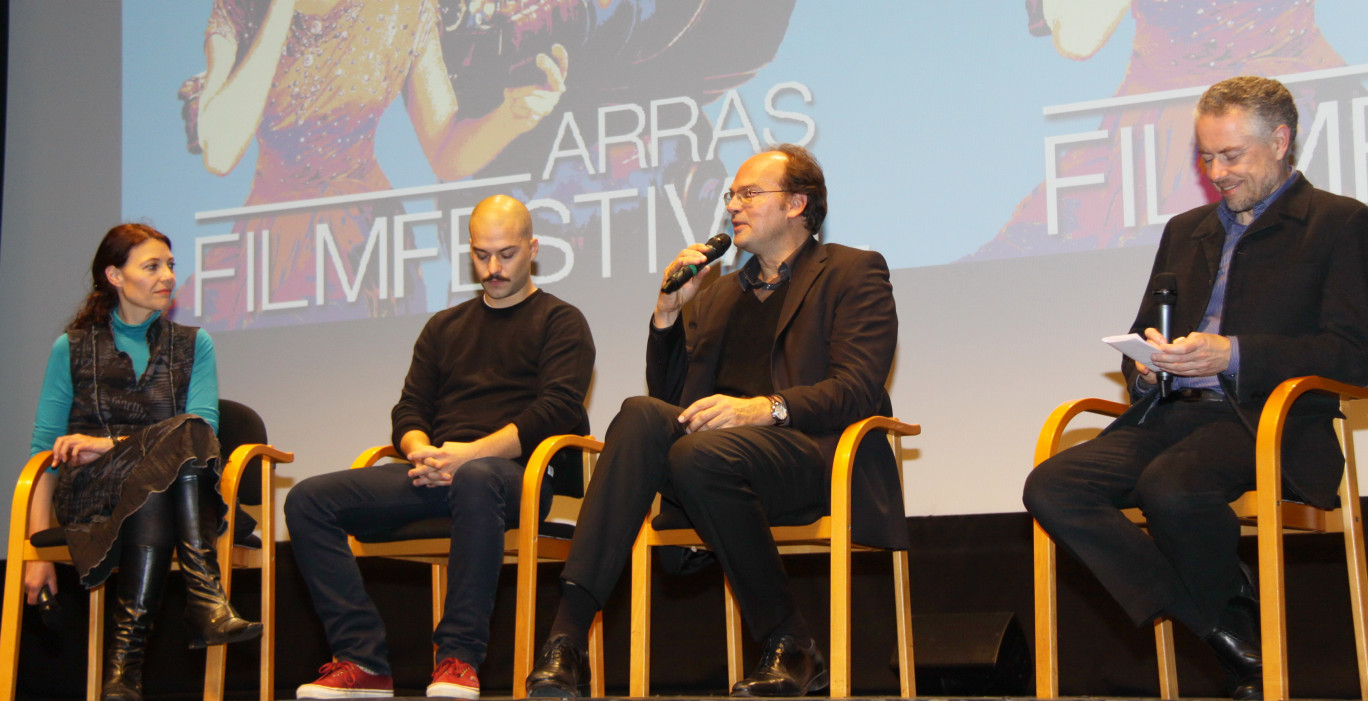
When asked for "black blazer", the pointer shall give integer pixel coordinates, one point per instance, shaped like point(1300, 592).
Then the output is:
point(1297, 299)
point(833, 350)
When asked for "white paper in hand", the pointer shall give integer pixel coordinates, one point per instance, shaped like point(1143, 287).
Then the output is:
point(1134, 346)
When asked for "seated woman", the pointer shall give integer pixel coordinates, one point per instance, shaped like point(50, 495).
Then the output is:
point(129, 408)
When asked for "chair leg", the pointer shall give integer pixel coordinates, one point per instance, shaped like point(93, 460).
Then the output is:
point(840, 619)
point(1272, 592)
point(268, 592)
point(216, 656)
point(1168, 663)
point(902, 604)
point(1358, 578)
point(525, 627)
point(1046, 617)
point(597, 684)
point(95, 651)
point(10, 627)
point(639, 678)
point(735, 664)
point(439, 587)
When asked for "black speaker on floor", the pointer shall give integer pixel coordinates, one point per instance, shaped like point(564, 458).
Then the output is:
point(970, 654)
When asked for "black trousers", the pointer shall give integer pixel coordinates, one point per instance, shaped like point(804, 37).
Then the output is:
point(731, 484)
point(482, 502)
point(1181, 467)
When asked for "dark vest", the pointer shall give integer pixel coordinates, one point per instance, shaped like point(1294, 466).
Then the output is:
point(107, 396)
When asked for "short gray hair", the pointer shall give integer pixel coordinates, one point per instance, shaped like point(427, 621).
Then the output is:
point(1267, 100)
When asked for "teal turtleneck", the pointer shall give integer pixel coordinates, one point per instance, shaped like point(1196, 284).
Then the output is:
point(54, 402)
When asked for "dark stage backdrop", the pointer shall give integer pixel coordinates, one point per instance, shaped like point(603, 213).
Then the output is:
point(976, 563)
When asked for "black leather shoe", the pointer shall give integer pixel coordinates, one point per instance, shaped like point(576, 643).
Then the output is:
point(1242, 661)
point(562, 671)
point(789, 667)
point(1236, 640)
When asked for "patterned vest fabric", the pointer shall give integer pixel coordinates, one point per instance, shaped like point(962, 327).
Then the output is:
point(108, 398)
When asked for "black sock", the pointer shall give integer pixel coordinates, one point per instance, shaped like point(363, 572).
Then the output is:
point(575, 614)
point(793, 625)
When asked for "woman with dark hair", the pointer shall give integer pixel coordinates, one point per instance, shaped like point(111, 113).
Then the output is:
point(129, 408)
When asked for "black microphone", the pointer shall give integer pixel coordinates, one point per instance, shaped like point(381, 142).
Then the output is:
point(49, 610)
point(1164, 290)
point(716, 246)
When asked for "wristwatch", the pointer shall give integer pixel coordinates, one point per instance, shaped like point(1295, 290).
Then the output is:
point(778, 410)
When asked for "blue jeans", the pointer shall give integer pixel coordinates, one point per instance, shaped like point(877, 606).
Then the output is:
point(482, 502)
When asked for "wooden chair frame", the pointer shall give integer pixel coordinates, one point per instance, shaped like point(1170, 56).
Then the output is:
point(231, 556)
point(1264, 509)
point(831, 531)
point(525, 545)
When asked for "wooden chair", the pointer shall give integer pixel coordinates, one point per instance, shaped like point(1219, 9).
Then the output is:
point(831, 531)
point(428, 542)
point(247, 467)
point(1264, 509)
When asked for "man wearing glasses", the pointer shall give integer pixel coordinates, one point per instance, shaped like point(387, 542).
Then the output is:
point(751, 379)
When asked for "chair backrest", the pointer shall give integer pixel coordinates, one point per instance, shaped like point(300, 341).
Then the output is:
point(239, 425)
point(567, 467)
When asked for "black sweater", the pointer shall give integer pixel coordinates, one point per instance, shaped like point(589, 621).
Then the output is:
point(477, 369)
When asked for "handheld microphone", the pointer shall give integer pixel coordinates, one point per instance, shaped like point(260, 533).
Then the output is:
point(716, 246)
point(1164, 291)
point(49, 610)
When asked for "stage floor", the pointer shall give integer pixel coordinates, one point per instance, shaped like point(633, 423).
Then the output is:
point(852, 698)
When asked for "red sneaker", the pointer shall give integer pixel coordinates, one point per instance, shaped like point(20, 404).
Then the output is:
point(454, 679)
point(343, 680)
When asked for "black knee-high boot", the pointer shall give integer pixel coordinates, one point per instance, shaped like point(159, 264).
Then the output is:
point(143, 564)
point(209, 616)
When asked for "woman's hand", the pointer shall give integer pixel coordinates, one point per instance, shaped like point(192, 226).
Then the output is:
point(527, 104)
point(79, 449)
point(36, 576)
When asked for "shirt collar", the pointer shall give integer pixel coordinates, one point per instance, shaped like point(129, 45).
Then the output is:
point(750, 272)
point(1228, 217)
point(128, 329)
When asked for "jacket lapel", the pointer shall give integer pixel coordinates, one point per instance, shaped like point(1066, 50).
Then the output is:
point(805, 270)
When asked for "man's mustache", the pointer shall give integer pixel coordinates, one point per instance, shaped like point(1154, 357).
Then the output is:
point(493, 278)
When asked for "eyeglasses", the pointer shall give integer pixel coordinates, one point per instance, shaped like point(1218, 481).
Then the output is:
point(745, 194)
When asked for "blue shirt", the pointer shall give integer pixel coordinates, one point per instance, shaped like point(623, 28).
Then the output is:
point(1211, 318)
point(54, 401)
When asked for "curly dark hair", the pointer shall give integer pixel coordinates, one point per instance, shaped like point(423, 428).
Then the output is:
point(113, 250)
point(803, 176)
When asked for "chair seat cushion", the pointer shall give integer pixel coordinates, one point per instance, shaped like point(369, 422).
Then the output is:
point(430, 528)
point(673, 518)
point(55, 537)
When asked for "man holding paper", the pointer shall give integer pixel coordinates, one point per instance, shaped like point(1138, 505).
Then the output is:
point(1272, 283)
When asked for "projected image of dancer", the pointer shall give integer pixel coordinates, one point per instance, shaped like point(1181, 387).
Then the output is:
point(632, 57)
point(309, 80)
point(1177, 45)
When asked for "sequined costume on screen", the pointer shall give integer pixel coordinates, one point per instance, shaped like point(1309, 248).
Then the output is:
point(1183, 44)
point(338, 73)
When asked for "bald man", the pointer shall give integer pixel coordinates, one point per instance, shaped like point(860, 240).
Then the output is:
point(490, 379)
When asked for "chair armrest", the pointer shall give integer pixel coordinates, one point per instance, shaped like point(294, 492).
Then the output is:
point(529, 514)
point(1053, 430)
point(373, 455)
point(237, 465)
point(843, 465)
point(23, 501)
point(1268, 443)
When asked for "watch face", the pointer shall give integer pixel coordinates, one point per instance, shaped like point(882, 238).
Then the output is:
point(778, 411)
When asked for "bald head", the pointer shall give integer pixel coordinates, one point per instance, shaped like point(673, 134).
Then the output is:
point(502, 250)
point(501, 212)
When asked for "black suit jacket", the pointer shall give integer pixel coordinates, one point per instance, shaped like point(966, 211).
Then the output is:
point(833, 350)
point(1297, 299)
